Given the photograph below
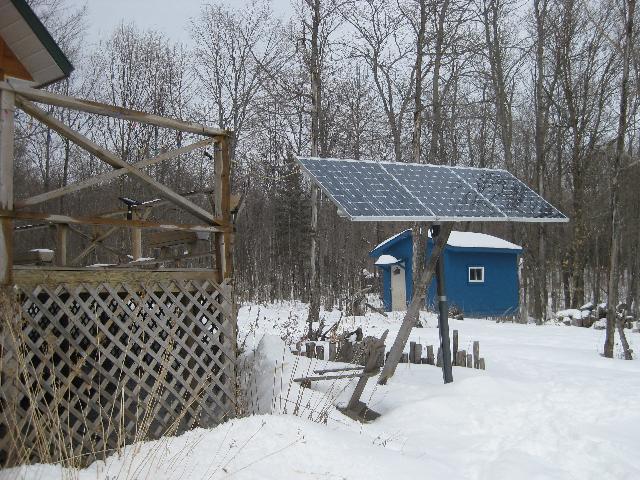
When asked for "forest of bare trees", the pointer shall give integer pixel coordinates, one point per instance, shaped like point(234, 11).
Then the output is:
point(548, 90)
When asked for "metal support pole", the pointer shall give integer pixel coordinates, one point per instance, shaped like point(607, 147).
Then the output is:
point(443, 316)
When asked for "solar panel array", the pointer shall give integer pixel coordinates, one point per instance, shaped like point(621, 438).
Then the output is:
point(389, 191)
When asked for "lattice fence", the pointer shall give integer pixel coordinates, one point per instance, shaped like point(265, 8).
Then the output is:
point(87, 367)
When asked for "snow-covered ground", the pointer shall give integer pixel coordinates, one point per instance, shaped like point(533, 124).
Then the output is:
point(548, 406)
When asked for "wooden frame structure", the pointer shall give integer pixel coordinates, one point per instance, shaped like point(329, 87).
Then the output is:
point(125, 339)
point(25, 98)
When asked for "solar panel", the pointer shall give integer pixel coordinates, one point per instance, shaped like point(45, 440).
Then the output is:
point(389, 191)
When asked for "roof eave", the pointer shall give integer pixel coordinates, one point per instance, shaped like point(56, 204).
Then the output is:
point(380, 249)
point(513, 251)
point(58, 56)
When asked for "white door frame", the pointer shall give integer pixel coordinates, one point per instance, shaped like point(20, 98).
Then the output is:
point(398, 288)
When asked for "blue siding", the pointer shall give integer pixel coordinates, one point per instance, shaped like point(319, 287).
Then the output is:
point(496, 296)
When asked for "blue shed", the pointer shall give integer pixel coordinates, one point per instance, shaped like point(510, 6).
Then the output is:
point(481, 273)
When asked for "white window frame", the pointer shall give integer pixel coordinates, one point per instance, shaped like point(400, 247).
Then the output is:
point(469, 274)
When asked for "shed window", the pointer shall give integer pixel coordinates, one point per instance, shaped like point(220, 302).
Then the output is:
point(476, 274)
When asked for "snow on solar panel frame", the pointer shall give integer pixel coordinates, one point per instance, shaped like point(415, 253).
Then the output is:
point(403, 196)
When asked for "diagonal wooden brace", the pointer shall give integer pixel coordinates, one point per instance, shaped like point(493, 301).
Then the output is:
point(107, 176)
point(357, 409)
point(113, 160)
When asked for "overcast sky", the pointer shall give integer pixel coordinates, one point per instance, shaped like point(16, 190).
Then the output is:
point(168, 16)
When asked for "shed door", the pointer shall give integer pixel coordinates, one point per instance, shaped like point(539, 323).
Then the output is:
point(398, 288)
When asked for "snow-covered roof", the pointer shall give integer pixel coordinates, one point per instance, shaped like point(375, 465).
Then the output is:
point(390, 239)
point(456, 240)
point(478, 240)
point(387, 260)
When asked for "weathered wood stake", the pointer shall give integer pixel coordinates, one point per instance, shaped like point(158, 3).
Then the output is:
point(476, 353)
point(455, 347)
point(462, 358)
point(311, 349)
point(430, 357)
point(417, 353)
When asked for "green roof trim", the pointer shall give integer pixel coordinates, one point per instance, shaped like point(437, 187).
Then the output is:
point(44, 36)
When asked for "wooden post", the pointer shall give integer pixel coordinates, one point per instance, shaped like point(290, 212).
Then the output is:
point(61, 244)
point(136, 241)
point(218, 239)
point(226, 205)
point(332, 351)
point(222, 203)
point(469, 360)
point(319, 352)
point(417, 353)
point(476, 354)
point(311, 349)
point(481, 363)
point(412, 350)
point(404, 358)
point(7, 109)
point(430, 357)
point(222, 195)
point(461, 359)
point(455, 347)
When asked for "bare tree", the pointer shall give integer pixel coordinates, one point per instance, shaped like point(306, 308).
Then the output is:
point(234, 50)
point(315, 33)
point(382, 43)
point(627, 10)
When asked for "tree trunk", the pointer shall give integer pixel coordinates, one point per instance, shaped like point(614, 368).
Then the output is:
point(566, 280)
point(316, 141)
point(419, 242)
point(435, 155)
point(417, 111)
point(491, 15)
point(614, 241)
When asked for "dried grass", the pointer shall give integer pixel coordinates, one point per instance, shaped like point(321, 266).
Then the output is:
point(44, 437)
